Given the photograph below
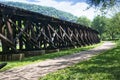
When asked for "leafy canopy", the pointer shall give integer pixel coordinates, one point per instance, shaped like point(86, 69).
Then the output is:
point(102, 3)
point(83, 20)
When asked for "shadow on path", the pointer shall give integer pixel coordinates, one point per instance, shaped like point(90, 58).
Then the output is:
point(34, 71)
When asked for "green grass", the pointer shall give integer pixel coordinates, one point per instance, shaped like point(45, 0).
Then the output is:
point(36, 59)
point(105, 66)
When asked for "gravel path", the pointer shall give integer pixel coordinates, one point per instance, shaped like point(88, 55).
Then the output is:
point(34, 71)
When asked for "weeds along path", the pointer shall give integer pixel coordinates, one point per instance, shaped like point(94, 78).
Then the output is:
point(34, 71)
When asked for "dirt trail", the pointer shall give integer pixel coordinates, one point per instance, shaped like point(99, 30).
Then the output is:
point(34, 71)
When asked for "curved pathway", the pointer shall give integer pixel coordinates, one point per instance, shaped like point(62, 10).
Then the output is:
point(34, 71)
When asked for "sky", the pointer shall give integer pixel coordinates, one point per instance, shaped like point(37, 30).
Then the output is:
point(75, 7)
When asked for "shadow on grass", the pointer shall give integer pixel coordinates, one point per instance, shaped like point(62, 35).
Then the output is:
point(107, 63)
point(105, 66)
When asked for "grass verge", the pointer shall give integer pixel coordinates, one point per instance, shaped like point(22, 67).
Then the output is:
point(105, 66)
point(36, 59)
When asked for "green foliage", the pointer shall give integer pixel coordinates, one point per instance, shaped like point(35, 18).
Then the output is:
point(116, 21)
point(44, 10)
point(109, 28)
point(36, 59)
point(84, 21)
point(105, 66)
point(102, 3)
point(116, 24)
point(99, 23)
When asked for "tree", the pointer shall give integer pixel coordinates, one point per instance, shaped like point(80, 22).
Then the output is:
point(84, 21)
point(110, 29)
point(113, 28)
point(99, 24)
point(102, 3)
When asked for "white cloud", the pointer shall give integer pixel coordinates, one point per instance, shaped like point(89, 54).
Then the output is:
point(77, 9)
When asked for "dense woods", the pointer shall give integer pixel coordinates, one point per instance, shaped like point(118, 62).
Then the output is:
point(108, 28)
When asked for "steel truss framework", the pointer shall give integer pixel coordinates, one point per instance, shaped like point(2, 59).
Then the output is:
point(22, 30)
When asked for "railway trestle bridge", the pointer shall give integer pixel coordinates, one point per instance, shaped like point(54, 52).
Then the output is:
point(22, 30)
